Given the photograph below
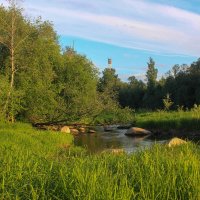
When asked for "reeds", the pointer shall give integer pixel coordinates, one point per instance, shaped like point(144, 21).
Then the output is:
point(179, 120)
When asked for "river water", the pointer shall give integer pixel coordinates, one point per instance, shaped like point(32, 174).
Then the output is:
point(116, 139)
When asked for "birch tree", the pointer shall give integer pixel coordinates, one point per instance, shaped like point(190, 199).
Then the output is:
point(13, 34)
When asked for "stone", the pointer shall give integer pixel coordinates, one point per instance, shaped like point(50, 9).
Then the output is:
point(65, 129)
point(175, 142)
point(108, 128)
point(117, 151)
point(124, 126)
point(91, 131)
point(82, 130)
point(54, 128)
point(74, 131)
point(114, 151)
point(135, 131)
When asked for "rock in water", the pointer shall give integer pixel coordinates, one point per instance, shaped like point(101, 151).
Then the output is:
point(125, 126)
point(108, 128)
point(82, 129)
point(91, 131)
point(135, 131)
point(117, 151)
point(114, 151)
point(74, 131)
point(65, 129)
point(175, 142)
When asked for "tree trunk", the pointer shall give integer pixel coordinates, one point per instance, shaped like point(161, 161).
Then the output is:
point(13, 70)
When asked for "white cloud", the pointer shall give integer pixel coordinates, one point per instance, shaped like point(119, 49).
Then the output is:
point(127, 23)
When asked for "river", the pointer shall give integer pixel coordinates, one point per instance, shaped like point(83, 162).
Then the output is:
point(116, 139)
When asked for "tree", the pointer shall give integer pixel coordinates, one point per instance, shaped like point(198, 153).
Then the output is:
point(151, 74)
point(34, 93)
point(78, 85)
point(109, 83)
point(12, 36)
point(132, 80)
point(150, 97)
point(40, 60)
point(132, 93)
point(195, 67)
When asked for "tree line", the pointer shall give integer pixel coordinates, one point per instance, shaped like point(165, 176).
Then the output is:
point(40, 82)
point(180, 86)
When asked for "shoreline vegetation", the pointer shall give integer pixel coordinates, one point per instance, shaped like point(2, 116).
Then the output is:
point(179, 120)
point(41, 164)
point(185, 124)
point(163, 124)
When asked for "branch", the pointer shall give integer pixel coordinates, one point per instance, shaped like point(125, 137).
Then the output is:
point(22, 40)
point(1, 42)
point(5, 23)
point(50, 123)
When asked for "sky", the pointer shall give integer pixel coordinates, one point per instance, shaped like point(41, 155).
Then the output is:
point(128, 31)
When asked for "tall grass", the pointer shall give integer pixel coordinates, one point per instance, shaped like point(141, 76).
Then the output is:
point(23, 136)
point(180, 120)
point(33, 165)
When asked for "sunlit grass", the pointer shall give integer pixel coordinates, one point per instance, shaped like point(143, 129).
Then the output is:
point(23, 136)
point(33, 165)
point(179, 120)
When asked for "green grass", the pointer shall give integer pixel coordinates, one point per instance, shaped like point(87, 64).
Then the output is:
point(158, 173)
point(37, 165)
point(23, 136)
point(179, 120)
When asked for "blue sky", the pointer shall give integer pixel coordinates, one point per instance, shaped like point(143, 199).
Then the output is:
point(128, 31)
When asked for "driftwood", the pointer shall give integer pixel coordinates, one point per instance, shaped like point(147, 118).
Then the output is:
point(61, 122)
point(57, 125)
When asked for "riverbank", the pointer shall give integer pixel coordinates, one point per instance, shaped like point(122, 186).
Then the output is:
point(41, 164)
point(23, 137)
point(181, 123)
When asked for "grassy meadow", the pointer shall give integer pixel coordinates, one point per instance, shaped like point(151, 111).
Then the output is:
point(41, 165)
point(163, 120)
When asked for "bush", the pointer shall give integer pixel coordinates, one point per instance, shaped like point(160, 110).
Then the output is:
point(119, 115)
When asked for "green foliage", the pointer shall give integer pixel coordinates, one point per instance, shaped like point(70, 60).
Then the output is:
point(78, 86)
point(115, 116)
point(109, 82)
point(38, 75)
point(167, 102)
point(109, 96)
point(14, 31)
point(37, 165)
point(151, 74)
point(4, 86)
point(196, 111)
point(48, 85)
point(108, 87)
point(153, 94)
point(182, 83)
point(131, 94)
point(40, 83)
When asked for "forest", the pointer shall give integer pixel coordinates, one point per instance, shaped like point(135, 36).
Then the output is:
point(40, 82)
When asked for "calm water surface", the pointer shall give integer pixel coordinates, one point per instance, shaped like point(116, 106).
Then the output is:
point(101, 141)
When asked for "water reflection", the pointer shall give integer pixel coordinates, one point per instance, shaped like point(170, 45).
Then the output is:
point(112, 140)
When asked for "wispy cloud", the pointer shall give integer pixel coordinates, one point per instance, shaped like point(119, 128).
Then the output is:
point(136, 24)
